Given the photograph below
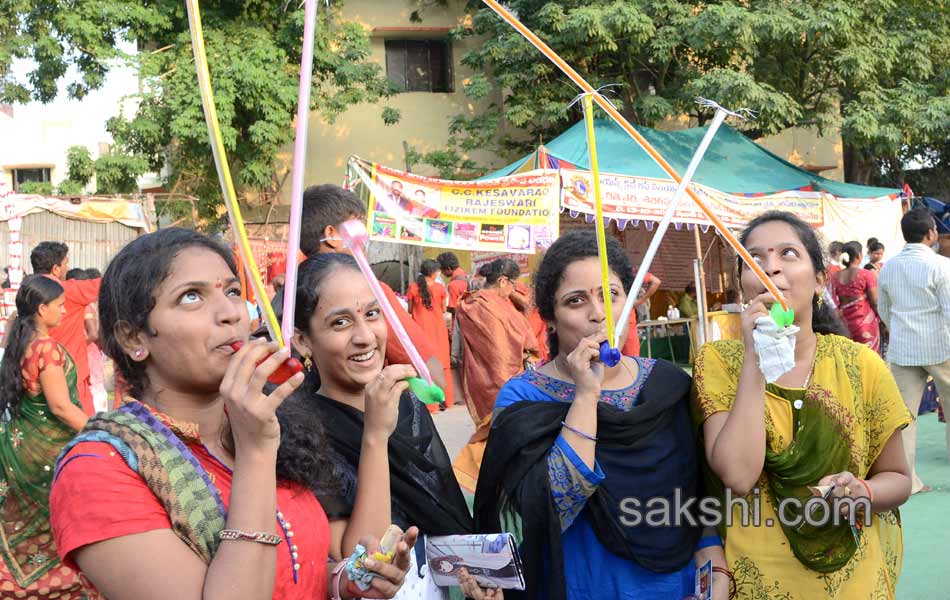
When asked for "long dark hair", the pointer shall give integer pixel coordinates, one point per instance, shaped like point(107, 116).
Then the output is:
point(853, 250)
point(303, 455)
point(824, 320)
point(127, 293)
point(311, 275)
point(35, 291)
point(427, 268)
point(571, 247)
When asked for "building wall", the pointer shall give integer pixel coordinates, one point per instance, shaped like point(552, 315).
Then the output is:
point(91, 245)
point(805, 147)
point(425, 116)
point(34, 139)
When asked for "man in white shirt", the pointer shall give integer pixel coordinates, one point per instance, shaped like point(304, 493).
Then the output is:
point(914, 303)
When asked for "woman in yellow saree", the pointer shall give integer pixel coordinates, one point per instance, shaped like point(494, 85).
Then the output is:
point(834, 419)
point(497, 344)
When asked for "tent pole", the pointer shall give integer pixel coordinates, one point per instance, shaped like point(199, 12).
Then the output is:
point(701, 284)
point(700, 305)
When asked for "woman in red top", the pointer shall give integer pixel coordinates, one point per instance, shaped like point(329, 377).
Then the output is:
point(427, 305)
point(39, 400)
point(855, 291)
point(198, 510)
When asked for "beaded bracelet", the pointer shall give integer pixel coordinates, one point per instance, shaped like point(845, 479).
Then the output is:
point(260, 537)
point(578, 432)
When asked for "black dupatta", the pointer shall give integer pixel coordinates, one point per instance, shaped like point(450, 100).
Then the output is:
point(424, 490)
point(647, 452)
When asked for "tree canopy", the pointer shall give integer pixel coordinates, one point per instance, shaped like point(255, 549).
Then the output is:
point(254, 56)
point(878, 70)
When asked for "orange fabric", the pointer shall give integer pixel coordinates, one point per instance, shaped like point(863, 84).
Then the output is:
point(395, 353)
point(432, 321)
point(540, 330)
point(496, 339)
point(632, 346)
point(247, 290)
point(469, 461)
point(458, 285)
point(71, 332)
point(538, 327)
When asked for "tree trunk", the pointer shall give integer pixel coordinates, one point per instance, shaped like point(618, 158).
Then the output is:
point(858, 167)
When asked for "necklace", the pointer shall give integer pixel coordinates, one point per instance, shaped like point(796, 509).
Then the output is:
point(284, 525)
point(561, 377)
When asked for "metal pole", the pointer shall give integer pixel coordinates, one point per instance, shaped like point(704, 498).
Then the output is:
point(700, 283)
point(701, 305)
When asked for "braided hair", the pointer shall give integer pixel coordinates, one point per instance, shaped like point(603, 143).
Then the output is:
point(427, 269)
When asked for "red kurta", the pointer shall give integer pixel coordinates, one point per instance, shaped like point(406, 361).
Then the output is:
point(97, 497)
point(632, 346)
point(432, 321)
point(71, 332)
point(395, 353)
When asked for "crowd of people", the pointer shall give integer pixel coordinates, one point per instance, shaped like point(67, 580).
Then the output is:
point(209, 482)
point(900, 311)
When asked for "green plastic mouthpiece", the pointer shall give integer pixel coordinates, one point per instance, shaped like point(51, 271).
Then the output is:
point(782, 317)
point(426, 393)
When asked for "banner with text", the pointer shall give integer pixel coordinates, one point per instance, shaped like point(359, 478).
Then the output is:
point(517, 214)
point(642, 198)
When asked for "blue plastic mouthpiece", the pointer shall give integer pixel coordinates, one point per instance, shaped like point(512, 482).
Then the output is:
point(609, 356)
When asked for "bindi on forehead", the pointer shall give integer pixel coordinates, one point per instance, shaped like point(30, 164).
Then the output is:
point(357, 307)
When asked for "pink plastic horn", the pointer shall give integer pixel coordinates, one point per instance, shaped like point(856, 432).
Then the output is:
point(355, 238)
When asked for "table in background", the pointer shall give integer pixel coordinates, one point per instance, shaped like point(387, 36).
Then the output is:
point(650, 325)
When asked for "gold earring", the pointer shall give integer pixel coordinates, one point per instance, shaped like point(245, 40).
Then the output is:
point(307, 363)
point(820, 301)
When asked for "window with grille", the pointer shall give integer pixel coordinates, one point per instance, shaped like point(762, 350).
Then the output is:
point(21, 176)
point(419, 65)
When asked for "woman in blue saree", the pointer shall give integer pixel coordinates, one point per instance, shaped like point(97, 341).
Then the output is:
point(578, 450)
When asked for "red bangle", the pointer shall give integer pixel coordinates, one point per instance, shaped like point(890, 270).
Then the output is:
point(733, 588)
point(867, 486)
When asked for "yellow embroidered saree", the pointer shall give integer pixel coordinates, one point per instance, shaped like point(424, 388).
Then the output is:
point(842, 421)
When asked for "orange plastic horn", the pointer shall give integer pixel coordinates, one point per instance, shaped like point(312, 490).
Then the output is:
point(632, 132)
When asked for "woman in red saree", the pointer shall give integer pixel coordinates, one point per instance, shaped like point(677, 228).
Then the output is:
point(497, 344)
point(855, 291)
point(427, 306)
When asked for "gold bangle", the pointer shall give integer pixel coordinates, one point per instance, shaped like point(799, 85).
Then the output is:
point(260, 537)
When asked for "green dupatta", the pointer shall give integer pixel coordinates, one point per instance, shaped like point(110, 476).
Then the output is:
point(30, 441)
point(815, 451)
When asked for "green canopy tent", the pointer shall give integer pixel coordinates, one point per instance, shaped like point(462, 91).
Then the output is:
point(733, 164)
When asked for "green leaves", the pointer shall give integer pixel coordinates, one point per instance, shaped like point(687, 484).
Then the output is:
point(117, 174)
point(79, 165)
point(253, 51)
point(877, 68)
